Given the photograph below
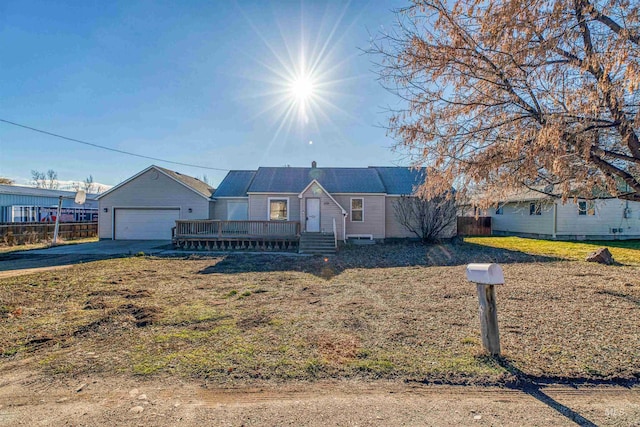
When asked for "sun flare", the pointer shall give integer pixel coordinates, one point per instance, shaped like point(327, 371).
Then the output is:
point(306, 71)
point(302, 88)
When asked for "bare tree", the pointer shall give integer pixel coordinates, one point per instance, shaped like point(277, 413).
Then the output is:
point(47, 180)
point(430, 219)
point(513, 94)
point(88, 185)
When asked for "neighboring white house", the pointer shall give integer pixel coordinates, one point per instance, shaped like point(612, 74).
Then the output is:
point(146, 206)
point(538, 215)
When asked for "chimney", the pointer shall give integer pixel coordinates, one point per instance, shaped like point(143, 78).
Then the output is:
point(314, 164)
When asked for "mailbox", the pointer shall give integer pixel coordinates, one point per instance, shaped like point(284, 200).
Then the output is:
point(485, 274)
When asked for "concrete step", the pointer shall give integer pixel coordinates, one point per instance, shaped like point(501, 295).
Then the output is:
point(316, 248)
point(315, 238)
point(317, 243)
point(317, 252)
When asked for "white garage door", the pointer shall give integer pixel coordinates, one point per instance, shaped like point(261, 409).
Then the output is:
point(145, 224)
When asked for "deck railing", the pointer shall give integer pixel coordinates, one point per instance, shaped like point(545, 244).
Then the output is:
point(232, 229)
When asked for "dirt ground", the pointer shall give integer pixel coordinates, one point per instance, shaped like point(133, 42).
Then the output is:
point(30, 400)
point(383, 336)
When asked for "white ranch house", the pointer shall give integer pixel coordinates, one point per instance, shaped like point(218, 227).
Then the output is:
point(536, 215)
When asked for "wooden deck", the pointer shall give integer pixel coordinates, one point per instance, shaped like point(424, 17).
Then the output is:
point(236, 235)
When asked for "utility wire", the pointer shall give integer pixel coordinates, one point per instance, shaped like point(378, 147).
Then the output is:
point(109, 148)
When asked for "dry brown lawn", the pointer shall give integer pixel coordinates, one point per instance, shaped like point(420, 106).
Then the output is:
point(401, 312)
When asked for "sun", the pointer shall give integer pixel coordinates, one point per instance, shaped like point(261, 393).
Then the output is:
point(302, 88)
point(305, 71)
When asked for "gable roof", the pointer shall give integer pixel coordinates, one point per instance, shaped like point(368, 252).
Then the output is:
point(324, 191)
point(399, 180)
point(371, 180)
point(190, 182)
point(235, 184)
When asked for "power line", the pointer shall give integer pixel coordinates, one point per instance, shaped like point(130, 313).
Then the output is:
point(109, 148)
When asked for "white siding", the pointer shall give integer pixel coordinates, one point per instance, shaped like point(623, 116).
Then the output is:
point(151, 189)
point(516, 219)
point(608, 214)
point(374, 215)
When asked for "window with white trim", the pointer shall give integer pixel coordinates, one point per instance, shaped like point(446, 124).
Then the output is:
point(278, 209)
point(535, 208)
point(357, 210)
point(586, 208)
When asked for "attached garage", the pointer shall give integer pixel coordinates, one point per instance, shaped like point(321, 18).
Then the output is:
point(144, 224)
point(147, 205)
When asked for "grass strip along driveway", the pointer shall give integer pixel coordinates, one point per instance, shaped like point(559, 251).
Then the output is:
point(402, 312)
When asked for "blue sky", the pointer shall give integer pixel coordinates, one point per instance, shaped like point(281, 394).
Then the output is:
point(197, 82)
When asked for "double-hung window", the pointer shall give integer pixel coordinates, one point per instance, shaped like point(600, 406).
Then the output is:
point(535, 209)
point(357, 210)
point(278, 209)
point(586, 208)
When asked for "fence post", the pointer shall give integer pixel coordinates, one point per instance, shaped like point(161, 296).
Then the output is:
point(486, 276)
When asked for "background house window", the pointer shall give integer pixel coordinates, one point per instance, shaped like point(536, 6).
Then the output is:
point(586, 208)
point(499, 210)
point(357, 210)
point(278, 209)
point(535, 209)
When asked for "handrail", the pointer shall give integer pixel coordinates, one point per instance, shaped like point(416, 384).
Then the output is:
point(225, 229)
point(335, 233)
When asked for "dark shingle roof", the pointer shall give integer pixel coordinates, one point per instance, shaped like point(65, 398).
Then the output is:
point(400, 180)
point(334, 180)
point(235, 184)
point(191, 182)
point(389, 180)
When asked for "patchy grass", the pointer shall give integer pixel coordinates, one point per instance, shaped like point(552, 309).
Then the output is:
point(240, 319)
point(623, 251)
point(4, 249)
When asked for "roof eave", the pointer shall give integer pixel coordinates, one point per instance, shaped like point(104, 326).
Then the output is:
point(125, 182)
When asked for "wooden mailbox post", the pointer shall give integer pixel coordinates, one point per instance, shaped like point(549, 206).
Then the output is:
point(486, 276)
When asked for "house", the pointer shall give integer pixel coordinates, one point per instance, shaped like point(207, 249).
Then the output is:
point(358, 202)
point(270, 205)
point(534, 214)
point(29, 204)
point(147, 205)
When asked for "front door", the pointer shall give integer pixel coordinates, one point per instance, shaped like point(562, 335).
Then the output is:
point(313, 215)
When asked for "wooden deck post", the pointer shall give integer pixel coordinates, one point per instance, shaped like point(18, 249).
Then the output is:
point(486, 276)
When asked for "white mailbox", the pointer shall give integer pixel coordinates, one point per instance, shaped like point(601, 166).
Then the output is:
point(485, 274)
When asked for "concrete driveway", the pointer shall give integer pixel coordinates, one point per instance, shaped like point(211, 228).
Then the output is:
point(107, 248)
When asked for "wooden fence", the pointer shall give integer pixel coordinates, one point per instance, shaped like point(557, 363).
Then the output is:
point(31, 232)
point(471, 226)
